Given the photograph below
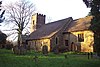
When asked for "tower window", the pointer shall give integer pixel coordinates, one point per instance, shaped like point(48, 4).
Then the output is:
point(33, 22)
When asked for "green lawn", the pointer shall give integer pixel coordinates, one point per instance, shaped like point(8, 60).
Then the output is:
point(8, 59)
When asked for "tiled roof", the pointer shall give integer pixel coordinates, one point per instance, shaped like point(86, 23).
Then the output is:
point(48, 30)
point(80, 24)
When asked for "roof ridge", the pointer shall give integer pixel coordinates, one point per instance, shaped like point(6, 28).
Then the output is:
point(58, 20)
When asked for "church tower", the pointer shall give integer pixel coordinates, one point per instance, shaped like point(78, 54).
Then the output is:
point(37, 21)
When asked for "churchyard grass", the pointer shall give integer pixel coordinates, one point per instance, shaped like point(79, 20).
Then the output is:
point(8, 59)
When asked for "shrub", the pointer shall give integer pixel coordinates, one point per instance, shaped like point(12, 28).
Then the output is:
point(9, 46)
point(19, 51)
point(59, 48)
point(28, 47)
point(16, 50)
point(2, 46)
point(55, 50)
point(62, 48)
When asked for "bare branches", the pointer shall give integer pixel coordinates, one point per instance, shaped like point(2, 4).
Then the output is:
point(20, 14)
point(10, 30)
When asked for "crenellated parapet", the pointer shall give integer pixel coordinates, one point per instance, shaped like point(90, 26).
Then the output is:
point(38, 20)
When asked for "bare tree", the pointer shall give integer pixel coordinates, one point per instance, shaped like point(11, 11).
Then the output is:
point(19, 15)
point(2, 13)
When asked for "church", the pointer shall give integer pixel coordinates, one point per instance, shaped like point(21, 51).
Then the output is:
point(73, 34)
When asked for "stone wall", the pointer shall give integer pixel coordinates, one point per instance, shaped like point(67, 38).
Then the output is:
point(86, 45)
point(38, 44)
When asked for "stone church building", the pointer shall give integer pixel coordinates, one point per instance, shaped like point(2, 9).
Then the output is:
point(74, 34)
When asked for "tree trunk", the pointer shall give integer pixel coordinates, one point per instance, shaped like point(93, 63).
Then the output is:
point(19, 40)
point(20, 49)
point(97, 44)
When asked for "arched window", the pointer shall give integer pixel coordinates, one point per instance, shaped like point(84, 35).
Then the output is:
point(56, 40)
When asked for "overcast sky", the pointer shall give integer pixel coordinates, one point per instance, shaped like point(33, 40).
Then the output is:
point(59, 9)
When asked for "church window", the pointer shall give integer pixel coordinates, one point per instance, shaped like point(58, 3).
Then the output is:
point(81, 37)
point(56, 40)
point(66, 42)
